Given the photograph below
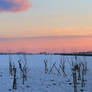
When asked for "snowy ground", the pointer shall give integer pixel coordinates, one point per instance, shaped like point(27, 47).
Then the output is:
point(37, 80)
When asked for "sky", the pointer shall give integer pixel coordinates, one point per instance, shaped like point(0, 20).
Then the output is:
point(45, 25)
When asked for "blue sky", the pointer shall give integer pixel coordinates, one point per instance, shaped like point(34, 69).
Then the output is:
point(48, 18)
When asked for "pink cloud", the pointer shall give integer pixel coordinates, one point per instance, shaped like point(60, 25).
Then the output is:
point(14, 5)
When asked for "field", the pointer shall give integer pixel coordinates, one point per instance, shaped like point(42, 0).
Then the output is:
point(45, 73)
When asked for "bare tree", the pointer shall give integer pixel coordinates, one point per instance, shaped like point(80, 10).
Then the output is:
point(14, 78)
point(10, 66)
point(74, 78)
point(46, 66)
point(23, 68)
point(54, 66)
point(62, 65)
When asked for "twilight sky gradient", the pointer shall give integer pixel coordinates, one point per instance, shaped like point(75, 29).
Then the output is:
point(45, 25)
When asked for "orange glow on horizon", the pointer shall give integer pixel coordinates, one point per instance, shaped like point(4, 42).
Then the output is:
point(48, 45)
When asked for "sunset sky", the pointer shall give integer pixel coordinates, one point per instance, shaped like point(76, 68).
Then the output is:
point(45, 25)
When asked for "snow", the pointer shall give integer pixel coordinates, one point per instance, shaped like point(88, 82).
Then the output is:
point(37, 80)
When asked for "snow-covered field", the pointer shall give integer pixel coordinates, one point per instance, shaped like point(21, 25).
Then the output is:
point(38, 80)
